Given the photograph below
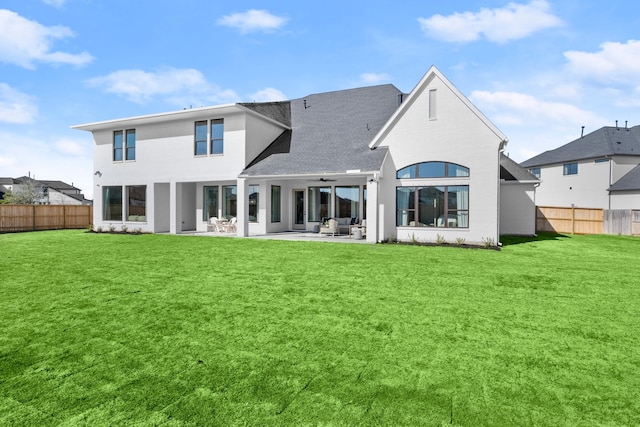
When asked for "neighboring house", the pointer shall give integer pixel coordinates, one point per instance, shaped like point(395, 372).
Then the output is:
point(53, 192)
point(427, 165)
point(61, 193)
point(6, 185)
point(597, 170)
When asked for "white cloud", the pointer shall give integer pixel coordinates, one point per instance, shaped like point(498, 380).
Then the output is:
point(253, 20)
point(513, 108)
point(6, 161)
point(373, 78)
point(615, 62)
point(268, 95)
point(178, 86)
point(23, 42)
point(514, 21)
point(15, 106)
point(55, 3)
point(71, 147)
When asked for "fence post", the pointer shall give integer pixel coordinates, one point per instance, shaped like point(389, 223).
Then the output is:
point(573, 219)
point(33, 216)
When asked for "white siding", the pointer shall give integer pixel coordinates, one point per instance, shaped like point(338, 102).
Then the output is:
point(517, 209)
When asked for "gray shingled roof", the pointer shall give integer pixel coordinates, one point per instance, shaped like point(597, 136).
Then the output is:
point(330, 133)
point(606, 141)
point(631, 181)
point(511, 171)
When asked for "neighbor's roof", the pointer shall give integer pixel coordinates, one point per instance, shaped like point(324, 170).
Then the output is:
point(511, 171)
point(6, 181)
point(631, 181)
point(606, 141)
point(330, 134)
point(58, 185)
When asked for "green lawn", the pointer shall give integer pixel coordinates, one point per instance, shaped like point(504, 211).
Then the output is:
point(100, 329)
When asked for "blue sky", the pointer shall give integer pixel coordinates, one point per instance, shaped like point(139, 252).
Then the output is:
point(539, 69)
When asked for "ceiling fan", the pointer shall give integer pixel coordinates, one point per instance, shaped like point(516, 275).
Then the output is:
point(322, 180)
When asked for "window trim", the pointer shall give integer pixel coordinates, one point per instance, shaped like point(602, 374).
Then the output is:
point(570, 169)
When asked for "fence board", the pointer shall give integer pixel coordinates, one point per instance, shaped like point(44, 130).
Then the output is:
point(44, 217)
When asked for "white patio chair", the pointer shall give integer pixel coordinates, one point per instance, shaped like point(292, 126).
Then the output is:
point(231, 227)
point(214, 224)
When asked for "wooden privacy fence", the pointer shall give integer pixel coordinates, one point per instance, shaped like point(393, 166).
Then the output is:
point(588, 220)
point(569, 220)
point(622, 221)
point(44, 217)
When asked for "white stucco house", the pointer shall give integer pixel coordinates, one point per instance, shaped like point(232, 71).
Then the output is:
point(597, 170)
point(422, 165)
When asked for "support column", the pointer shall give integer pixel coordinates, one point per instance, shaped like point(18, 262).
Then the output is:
point(175, 202)
point(372, 210)
point(242, 224)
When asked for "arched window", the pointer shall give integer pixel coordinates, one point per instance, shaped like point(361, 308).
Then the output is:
point(433, 170)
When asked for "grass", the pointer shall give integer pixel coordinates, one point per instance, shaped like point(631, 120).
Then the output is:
point(102, 329)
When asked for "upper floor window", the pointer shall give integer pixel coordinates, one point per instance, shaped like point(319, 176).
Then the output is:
point(433, 170)
point(131, 144)
point(535, 172)
point(117, 146)
point(217, 136)
point(570, 169)
point(212, 131)
point(201, 138)
point(122, 151)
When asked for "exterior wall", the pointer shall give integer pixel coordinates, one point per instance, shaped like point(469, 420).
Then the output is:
point(456, 135)
point(165, 155)
point(57, 198)
point(586, 189)
point(517, 208)
point(625, 200)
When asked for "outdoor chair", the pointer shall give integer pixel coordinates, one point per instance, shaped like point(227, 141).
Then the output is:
point(214, 224)
point(330, 228)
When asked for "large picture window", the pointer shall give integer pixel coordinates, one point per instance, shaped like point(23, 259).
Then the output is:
point(254, 202)
point(319, 199)
point(137, 203)
point(433, 206)
point(229, 201)
point(210, 208)
point(348, 202)
point(276, 207)
point(112, 203)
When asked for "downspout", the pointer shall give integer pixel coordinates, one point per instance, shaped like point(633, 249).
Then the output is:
point(503, 145)
point(610, 179)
